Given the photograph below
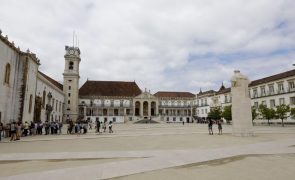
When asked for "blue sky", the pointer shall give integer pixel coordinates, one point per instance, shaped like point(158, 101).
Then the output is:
point(172, 45)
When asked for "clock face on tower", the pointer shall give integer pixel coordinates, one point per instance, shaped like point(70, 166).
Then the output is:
point(72, 51)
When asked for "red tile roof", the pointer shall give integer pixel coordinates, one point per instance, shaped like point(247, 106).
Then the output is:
point(109, 88)
point(174, 94)
point(224, 90)
point(54, 82)
point(210, 92)
point(272, 78)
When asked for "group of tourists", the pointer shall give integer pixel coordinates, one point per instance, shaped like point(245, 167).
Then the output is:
point(16, 130)
point(103, 125)
point(78, 127)
point(210, 126)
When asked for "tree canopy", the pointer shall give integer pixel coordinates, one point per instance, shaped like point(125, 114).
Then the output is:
point(215, 113)
point(227, 114)
point(267, 113)
point(282, 111)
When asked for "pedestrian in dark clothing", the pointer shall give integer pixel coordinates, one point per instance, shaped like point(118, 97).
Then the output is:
point(110, 127)
point(1, 129)
point(47, 126)
point(219, 127)
point(13, 131)
point(97, 126)
point(210, 127)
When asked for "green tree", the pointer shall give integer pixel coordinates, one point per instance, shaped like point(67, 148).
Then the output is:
point(254, 113)
point(292, 113)
point(215, 113)
point(267, 113)
point(282, 111)
point(226, 114)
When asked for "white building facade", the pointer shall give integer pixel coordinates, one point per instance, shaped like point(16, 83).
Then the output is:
point(18, 82)
point(22, 86)
point(50, 99)
point(271, 91)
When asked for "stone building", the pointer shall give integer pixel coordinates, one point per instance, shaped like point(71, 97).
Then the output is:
point(108, 101)
point(121, 102)
point(204, 103)
point(18, 82)
point(271, 91)
point(22, 86)
point(71, 82)
point(176, 106)
point(49, 99)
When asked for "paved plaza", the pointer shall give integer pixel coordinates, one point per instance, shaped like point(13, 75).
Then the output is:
point(153, 151)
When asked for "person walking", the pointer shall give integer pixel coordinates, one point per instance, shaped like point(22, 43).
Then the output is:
point(210, 127)
point(97, 126)
point(219, 127)
point(1, 129)
point(104, 126)
point(110, 127)
point(46, 124)
point(13, 131)
point(78, 127)
point(18, 130)
point(26, 128)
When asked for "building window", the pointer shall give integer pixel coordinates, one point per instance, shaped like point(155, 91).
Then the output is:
point(282, 101)
point(206, 111)
point(174, 118)
point(263, 103)
point(181, 119)
point(7, 73)
point(127, 111)
point(291, 86)
point(255, 93)
point(167, 119)
point(114, 119)
point(69, 87)
point(263, 91)
point(281, 87)
point(116, 112)
point(30, 103)
point(71, 65)
point(226, 99)
point(69, 102)
point(292, 100)
point(256, 105)
point(271, 89)
point(69, 94)
point(272, 103)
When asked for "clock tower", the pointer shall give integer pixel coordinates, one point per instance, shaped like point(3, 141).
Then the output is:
point(71, 83)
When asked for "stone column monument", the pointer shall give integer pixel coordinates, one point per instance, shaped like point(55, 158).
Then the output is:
point(241, 106)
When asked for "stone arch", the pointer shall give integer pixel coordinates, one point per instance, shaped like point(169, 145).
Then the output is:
point(137, 108)
point(145, 108)
point(153, 108)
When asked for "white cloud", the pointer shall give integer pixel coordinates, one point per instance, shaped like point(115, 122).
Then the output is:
point(162, 44)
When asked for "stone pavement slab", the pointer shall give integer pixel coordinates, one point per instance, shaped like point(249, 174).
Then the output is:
point(156, 160)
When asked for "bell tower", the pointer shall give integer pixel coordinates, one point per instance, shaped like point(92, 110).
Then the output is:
point(71, 83)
